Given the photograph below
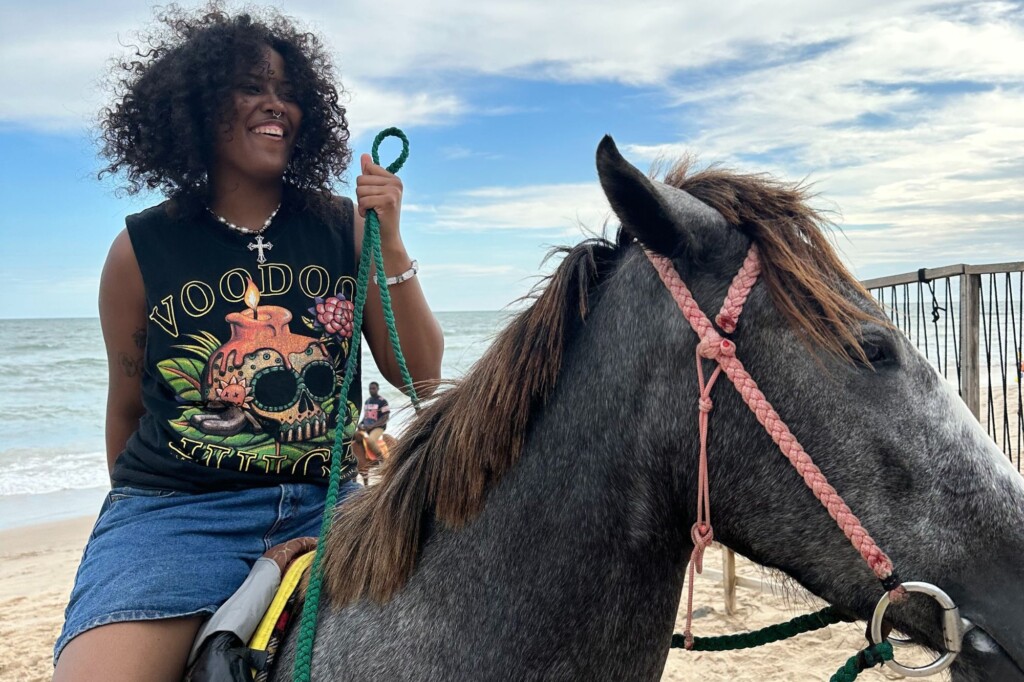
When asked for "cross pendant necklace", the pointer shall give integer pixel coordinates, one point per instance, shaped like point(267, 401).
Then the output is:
point(260, 245)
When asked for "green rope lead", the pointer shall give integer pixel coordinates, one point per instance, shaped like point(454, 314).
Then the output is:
point(372, 224)
point(876, 654)
point(773, 633)
point(371, 251)
point(866, 658)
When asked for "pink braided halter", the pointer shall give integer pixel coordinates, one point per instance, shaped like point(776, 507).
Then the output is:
point(713, 346)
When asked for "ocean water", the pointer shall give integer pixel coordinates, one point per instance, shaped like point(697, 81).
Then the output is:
point(53, 383)
point(53, 378)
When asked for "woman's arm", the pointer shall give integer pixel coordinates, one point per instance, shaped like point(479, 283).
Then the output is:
point(420, 334)
point(123, 320)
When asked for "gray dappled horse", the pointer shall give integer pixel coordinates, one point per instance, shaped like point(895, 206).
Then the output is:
point(534, 521)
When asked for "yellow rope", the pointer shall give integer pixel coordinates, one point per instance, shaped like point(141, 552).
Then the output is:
point(289, 582)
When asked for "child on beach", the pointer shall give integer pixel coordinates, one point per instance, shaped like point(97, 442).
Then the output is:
point(227, 317)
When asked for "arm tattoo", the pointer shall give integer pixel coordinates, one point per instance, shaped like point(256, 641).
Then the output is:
point(132, 367)
point(139, 337)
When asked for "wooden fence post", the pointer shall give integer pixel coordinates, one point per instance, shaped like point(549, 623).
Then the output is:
point(970, 328)
point(729, 579)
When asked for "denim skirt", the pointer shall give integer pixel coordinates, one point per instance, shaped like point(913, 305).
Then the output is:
point(167, 554)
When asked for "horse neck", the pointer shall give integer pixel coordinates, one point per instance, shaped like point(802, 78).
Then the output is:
point(588, 522)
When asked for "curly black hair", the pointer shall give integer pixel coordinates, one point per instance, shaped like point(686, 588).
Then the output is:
point(174, 91)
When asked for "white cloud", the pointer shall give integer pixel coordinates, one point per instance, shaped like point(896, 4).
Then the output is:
point(459, 153)
point(471, 270)
point(907, 114)
point(54, 52)
point(56, 56)
point(561, 209)
point(640, 42)
point(912, 127)
point(371, 109)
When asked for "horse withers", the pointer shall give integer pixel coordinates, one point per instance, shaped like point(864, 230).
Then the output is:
point(485, 554)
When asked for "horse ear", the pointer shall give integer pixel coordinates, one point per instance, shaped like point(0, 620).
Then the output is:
point(636, 201)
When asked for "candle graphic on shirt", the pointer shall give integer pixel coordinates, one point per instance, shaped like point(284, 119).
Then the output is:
point(290, 376)
point(252, 297)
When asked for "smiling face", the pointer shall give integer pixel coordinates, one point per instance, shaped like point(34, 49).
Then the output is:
point(257, 144)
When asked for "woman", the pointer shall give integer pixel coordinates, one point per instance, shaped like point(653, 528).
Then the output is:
point(227, 317)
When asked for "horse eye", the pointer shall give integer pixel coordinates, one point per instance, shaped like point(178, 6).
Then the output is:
point(873, 352)
point(876, 353)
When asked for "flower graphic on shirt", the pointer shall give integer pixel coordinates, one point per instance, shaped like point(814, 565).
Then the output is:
point(234, 392)
point(332, 315)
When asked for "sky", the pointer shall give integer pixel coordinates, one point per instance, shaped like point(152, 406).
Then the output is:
point(907, 117)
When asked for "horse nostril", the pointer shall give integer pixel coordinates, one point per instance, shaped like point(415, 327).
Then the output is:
point(981, 642)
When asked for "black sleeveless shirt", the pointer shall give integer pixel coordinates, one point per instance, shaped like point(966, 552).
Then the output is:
point(247, 340)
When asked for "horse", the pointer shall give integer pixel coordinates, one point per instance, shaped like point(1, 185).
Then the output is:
point(485, 554)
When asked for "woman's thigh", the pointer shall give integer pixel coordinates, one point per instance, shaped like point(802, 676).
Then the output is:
point(159, 562)
point(149, 650)
point(160, 556)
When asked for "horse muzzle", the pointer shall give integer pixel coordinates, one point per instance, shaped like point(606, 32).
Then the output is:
point(984, 643)
point(993, 650)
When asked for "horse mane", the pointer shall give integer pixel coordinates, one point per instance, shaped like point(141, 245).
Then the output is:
point(800, 268)
point(464, 439)
point(467, 437)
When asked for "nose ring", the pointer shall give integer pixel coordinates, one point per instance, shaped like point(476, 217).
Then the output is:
point(276, 114)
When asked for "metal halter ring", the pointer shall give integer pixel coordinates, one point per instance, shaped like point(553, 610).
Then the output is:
point(953, 630)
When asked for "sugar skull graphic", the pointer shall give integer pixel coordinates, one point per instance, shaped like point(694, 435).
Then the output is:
point(267, 377)
point(265, 393)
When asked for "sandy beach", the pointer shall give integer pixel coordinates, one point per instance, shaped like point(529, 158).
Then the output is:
point(37, 566)
point(1002, 417)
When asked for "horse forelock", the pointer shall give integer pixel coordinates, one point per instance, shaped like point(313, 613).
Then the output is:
point(465, 438)
point(804, 275)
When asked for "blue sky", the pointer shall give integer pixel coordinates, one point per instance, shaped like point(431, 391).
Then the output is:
point(908, 117)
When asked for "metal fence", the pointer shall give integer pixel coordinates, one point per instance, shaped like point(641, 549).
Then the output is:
point(967, 320)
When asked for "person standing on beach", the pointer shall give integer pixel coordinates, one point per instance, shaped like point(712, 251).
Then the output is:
point(227, 313)
point(376, 413)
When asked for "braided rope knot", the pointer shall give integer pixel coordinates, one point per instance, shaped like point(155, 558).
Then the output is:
point(704, 404)
point(726, 323)
point(702, 535)
point(713, 346)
